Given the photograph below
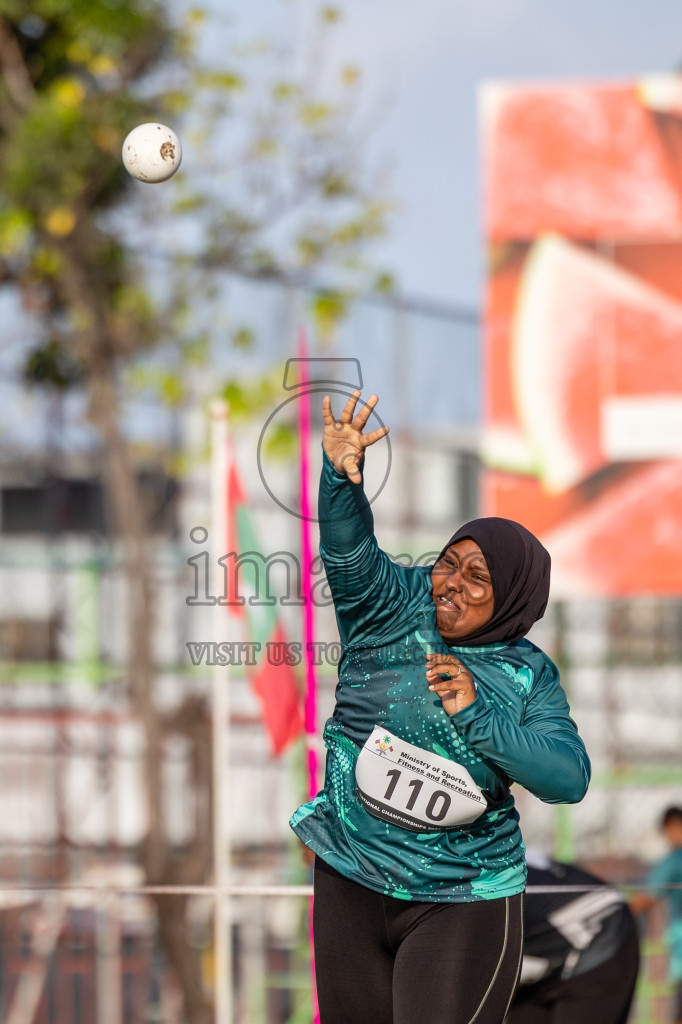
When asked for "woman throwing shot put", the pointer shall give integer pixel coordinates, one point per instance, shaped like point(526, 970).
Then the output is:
point(440, 706)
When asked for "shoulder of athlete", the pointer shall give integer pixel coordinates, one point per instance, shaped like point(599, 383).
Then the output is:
point(540, 664)
point(520, 663)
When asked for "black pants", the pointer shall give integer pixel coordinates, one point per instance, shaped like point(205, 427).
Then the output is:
point(600, 996)
point(381, 960)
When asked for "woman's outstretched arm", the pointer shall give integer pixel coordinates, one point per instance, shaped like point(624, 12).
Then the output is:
point(365, 584)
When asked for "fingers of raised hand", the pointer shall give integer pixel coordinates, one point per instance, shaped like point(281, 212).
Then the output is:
point(374, 436)
point(327, 414)
point(345, 419)
point(365, 411)
point(348, 419)
point(346, 415)
point(349, 408)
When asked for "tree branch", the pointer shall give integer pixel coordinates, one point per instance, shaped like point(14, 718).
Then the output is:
point(14, 71)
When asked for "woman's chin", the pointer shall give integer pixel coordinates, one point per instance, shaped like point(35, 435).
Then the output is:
point(449, 627)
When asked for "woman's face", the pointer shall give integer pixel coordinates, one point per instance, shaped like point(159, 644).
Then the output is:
point(462, 590)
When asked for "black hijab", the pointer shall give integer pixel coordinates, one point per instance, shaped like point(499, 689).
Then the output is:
point(519, 569)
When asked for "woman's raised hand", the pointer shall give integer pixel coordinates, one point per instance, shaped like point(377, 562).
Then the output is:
point(343, 439)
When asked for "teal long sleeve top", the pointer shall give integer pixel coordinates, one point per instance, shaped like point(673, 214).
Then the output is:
point(416, 803)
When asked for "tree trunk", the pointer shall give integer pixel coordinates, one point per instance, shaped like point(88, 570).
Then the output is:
point(124, 499)
point(171, 912)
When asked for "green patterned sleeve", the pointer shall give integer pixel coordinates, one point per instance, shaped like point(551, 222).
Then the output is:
point(545, 754)
point(371, 593)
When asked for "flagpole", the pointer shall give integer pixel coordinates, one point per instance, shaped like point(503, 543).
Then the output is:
point(222, 926)
point(310, 703)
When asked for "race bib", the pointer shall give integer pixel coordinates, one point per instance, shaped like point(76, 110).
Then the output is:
point(414, 788)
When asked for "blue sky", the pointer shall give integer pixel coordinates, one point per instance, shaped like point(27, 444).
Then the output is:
point(429, 57)
point(434, 54)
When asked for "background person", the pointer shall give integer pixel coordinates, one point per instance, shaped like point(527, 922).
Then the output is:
point(665, 883)
point(580, 950)
point(440, 705)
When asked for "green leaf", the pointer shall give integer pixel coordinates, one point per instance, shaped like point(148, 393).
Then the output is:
point(265, 147)
point(133, 301)
point(236, 396)
point(285, 91)
point(228, 80)
point(197, 350)
point(384, 283)
point(336, 186)
point(176, 102)
point(330, 15)
point(350, 75)
point(190, 203)
point(195, 16)
point(281, 441)
point(328, 308)
point(315, 114)
point(53, 365)
point(310, 249)
point(243, 338)
point(46, 262)
point(249, 398)
point(172, 388)
point(16, 225)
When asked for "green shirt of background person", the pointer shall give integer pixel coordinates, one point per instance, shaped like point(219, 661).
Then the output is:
point(664, 882)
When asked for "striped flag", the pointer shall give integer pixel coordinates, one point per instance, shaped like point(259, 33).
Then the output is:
point(273, 678)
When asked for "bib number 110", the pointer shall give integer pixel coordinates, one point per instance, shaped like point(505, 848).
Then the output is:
point(437, 805)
